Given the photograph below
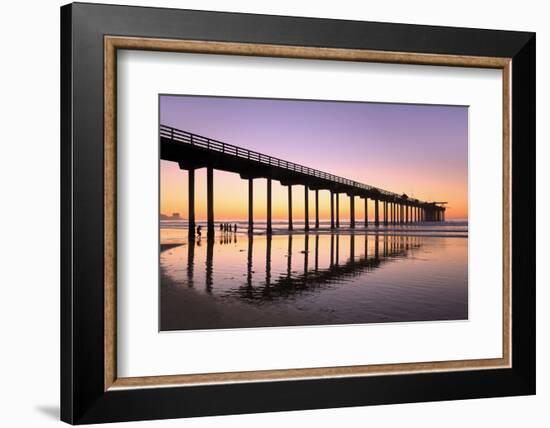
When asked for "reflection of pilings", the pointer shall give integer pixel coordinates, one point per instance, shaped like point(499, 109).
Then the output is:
point(352, 247)
point(289, 257)
point(268, 260)
point(376, 218)
point(332, 250)
point(269, 228)
point(289, 207)
point(337, 249)
point(352, 211)
point(306, 254)
point(316, 208)
point(190, 262)
point(317, 252)
point(306, 207)
point(210, 200)
point(250, 205)
point(209, 263)
point(331, 210)
point(249, 262)
point(191, 203)
point(294, 283)
point(376, 246)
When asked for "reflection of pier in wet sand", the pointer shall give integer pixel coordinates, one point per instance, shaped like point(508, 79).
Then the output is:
point(241, 280)
point(358, 262)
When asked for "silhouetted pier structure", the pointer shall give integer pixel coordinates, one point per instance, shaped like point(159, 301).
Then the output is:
point(193, 151)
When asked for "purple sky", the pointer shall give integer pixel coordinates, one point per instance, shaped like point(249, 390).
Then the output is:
point(421, 150)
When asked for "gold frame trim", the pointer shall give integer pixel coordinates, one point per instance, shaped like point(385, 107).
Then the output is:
point(113, 43)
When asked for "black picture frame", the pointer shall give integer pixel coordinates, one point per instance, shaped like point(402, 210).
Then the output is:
point(83, 398)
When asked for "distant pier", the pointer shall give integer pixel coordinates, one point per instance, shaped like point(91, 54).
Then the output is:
point(193, 151)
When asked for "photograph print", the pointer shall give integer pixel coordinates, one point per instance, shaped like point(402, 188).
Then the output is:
point(290, 212)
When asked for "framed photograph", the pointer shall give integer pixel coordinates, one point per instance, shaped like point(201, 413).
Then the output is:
point(266, 213)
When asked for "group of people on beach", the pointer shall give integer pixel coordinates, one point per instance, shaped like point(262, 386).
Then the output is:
point(224, 227)
point(228, 228)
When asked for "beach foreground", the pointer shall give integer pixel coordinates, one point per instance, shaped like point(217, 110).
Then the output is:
point(241, 281)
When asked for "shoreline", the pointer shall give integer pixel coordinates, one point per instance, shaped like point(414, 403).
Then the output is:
point(359, 232)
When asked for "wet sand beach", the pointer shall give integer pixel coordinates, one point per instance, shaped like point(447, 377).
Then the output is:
point(245, 281)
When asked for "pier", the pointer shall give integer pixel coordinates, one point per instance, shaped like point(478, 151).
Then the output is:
point(193, 151)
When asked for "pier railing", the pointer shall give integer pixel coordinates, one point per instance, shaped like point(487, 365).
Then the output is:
point(179, 136)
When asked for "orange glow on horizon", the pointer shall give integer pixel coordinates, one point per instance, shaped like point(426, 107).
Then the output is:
point(231, 195)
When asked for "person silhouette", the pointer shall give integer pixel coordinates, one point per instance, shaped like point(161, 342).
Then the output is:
point(199, 231)
point(235, 228)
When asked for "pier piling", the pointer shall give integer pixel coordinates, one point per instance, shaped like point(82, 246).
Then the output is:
point(316, 208)
point(210, 200)
point(268, 226)
point(250, 205)
point(193, 152)
point(306, 207)
point(191, 204)
point(337, 209)
point(352, 211)
point(290, 207)
point(331, 210)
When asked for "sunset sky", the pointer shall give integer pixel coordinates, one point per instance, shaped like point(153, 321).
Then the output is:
point(420, 150)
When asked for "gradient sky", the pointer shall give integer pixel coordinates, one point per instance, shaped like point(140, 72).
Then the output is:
point(420, 150)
